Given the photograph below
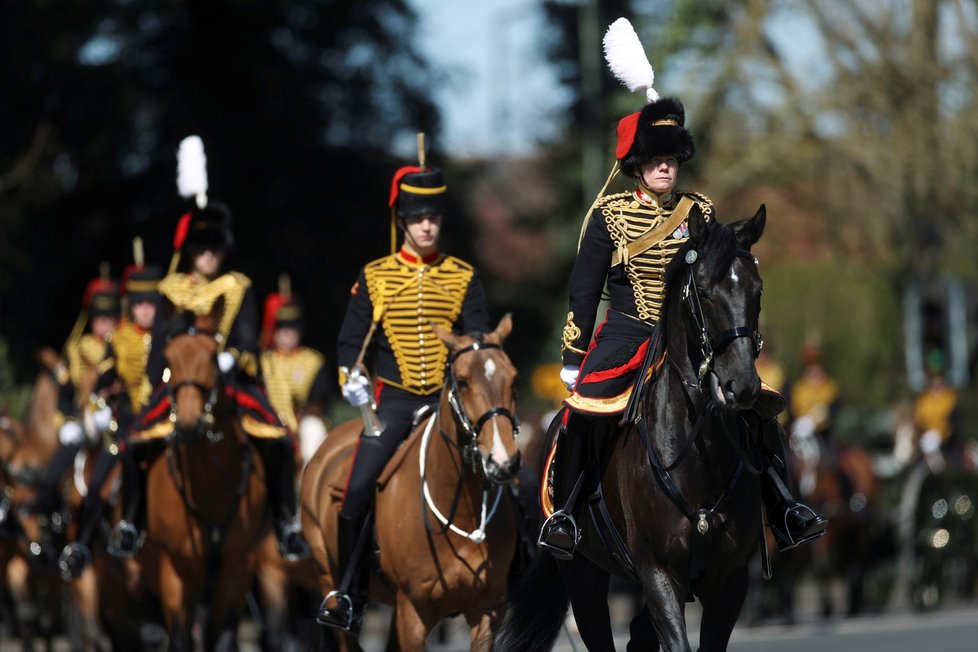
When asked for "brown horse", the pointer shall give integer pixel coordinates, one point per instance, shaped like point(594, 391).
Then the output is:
point(838, 481)
point(205, 497)
point(430, 569)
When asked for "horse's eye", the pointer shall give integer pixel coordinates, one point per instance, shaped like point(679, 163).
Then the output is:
point(462, 383)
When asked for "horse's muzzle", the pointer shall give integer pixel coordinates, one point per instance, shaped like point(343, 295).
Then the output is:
point(733, 394)
point(503, 474)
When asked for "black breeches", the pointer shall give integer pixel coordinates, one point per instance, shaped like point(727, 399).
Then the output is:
point(396, 410)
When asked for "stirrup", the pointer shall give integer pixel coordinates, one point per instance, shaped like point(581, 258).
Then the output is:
point(574, 533)
point(291, 544)
point(342, 617)
point(786, 541)
point(117, 547)
point(73, 560)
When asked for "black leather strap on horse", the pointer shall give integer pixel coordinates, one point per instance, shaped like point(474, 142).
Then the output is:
point(611, 539)
point(654, 235)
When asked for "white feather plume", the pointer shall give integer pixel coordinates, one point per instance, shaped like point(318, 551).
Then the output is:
point(192, 170)
point(627, 60)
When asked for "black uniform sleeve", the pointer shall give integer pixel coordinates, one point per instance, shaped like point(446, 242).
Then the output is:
point(356, 323)
point(586, 283)
point(243, 337)
point(108, 377)
point(156, 363)
point(321, 393)
point(475, 308)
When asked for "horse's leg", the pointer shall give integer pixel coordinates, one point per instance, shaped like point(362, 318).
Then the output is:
point(666, 603)
point(641, 633)
point(483, 628)
point(587, 586)
point(410, 626)
point(721, 608)
point(176, 614)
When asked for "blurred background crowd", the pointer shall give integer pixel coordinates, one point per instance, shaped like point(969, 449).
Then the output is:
point(852, 122)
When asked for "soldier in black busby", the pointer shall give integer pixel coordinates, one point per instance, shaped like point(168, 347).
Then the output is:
point(627, 241)
point(407, 359)
point(122, 388)
point(75, 378)
point(202, 241)
point(299, 382)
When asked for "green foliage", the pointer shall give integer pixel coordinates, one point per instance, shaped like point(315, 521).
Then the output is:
point(852, 310)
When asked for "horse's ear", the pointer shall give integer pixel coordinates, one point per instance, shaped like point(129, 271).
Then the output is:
point(502, 331)
point(697, 227)
point(750, 230)
point(445, 335)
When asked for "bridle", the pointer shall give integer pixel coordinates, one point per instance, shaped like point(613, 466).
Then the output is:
point(710, 346)
point(205, 423)
point(470, 449)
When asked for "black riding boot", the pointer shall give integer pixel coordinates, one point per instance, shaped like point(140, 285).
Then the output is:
point(49, 491)
point(126, 537)
point(76, 555)
point(279, 464)
point(559, 534)
point(792, 522)
point(343, 608)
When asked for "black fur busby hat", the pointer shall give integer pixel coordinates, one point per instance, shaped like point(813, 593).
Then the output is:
point(207, 225)
point(659, 131)
point(660, 127)
point(141, 284)
point(418, 191)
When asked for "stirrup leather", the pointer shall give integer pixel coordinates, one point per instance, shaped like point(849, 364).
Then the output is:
point(557, 517)
point(332, 617)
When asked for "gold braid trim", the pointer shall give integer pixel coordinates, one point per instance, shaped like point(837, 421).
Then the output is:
point(256, 428)
point(571, 334)
point(199, 298)
point(289, 378)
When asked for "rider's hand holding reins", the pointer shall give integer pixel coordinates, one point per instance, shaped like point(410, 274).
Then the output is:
point(225, 361)
point(568, 376)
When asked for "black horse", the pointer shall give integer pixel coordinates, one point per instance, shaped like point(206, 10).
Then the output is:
point(681, 491)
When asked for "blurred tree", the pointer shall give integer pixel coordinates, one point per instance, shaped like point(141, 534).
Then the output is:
point(298, 103)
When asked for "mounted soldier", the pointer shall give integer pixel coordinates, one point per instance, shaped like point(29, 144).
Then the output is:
point(388, 327)
point(297, 377)
point(195, 284)
point(75, 377)
point(121, 390)
point(627, 241)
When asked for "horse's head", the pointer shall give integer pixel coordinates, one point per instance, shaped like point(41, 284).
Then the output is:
point(480, 390)
point(193, 382)
point(721, 293)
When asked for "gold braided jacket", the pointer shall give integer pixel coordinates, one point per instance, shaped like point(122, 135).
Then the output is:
point(131, 345)
point(186, 293)
point(84, 356)
point(415, 295)
point(627, 219)
point(289, 378)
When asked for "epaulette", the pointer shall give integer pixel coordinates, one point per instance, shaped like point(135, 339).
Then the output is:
point(616, 198)
point(452, 261)
point(705, 203)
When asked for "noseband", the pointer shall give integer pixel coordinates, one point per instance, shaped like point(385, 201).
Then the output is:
point(712, 346)
point(205, 423)
point(470, 450)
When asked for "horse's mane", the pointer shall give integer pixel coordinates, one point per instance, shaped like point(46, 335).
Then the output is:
point(180, 323)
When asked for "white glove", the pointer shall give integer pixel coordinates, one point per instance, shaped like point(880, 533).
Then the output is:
point(102, 418)
point(312, 432)
point(803, 427)
point(930, 442)
point(225, 361)
point(355, 391)
point(70, 433)
point(568, 376)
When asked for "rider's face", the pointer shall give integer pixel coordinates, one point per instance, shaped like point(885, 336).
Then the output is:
point(103, 325)
point(422, 231)
point(286, 338)
point(143, 314)
point(660, 174)
point(208, 262)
